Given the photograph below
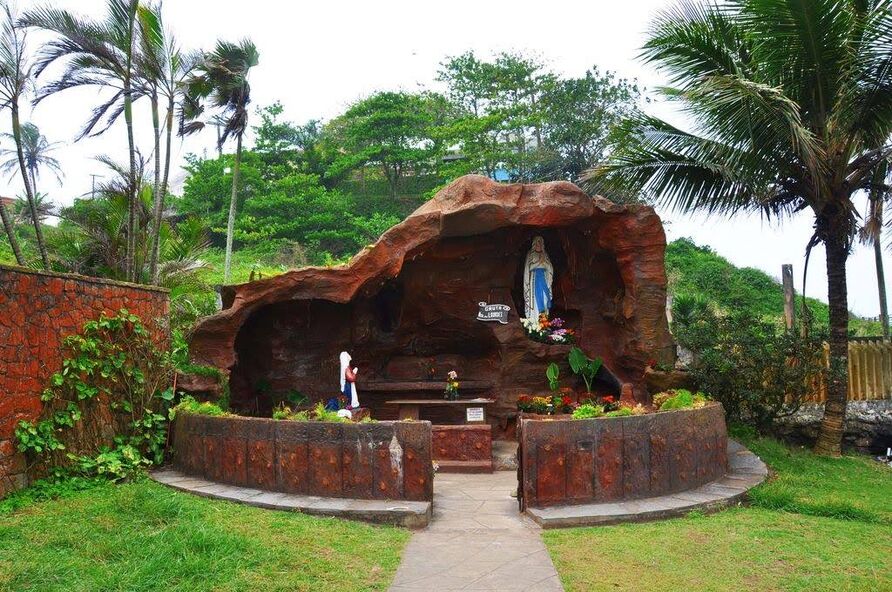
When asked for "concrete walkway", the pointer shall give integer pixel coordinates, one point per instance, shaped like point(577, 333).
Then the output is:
point(477, 540)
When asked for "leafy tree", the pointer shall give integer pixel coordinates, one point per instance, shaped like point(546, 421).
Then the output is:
point(207, 186)
point(791, 109)
point(512, 113)
point(96, 54)
point(394, 131)
point(299, 209)
point(222, 77)
point(482, 123)
point(578, 116)
point(287, 145)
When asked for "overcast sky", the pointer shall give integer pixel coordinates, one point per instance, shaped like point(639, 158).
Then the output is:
point(317, 57)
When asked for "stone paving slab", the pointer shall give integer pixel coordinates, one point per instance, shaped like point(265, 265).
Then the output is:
point(746, 471)
point(477, 541)
point(397, 512)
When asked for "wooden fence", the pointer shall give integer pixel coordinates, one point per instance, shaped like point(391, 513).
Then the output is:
point(870, 371)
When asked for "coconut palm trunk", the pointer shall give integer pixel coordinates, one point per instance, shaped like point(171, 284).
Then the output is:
point(10, 234)
point(833, 424)
point(26, 180)
point(230, 224)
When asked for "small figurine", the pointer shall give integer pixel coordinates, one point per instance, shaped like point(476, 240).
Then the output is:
point(348, 381)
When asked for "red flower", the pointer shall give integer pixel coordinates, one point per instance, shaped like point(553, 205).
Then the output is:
point(608, 399)
point(566, 401)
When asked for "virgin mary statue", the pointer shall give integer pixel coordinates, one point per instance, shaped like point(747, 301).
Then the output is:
point(348, 380)
point(537, 278)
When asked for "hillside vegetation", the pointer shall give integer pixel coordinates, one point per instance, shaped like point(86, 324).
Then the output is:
point(699, 271)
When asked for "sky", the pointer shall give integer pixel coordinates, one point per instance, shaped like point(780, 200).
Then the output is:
point(318, 57)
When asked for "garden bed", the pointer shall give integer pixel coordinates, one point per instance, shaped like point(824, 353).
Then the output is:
point(567, 461)
point(382, 460)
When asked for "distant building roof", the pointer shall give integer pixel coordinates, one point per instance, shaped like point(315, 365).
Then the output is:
point(8, 201)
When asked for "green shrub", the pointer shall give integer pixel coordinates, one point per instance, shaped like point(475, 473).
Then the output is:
point(621, 412)
point(188, 404)
point(282, 412)
point(756, 369)
point(680, 399)
point(588, 411)
point(320, 413)
point(47, 489)
point(115, 464)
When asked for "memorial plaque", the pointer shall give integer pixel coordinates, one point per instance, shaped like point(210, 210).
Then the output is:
point(474, 415)
point(493, 312)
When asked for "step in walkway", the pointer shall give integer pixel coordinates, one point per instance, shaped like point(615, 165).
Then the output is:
point(477, 540)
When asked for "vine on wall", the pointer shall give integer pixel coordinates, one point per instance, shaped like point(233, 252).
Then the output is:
point(106, 410)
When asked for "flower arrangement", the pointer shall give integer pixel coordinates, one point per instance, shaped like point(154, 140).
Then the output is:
point(451, 386)
point(547, 330)
point(547, 405)
point(607, 402)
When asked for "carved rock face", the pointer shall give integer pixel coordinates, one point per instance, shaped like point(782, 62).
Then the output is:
point(406, 307)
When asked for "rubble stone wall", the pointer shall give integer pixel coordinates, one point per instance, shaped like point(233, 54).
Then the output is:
point(37, 311)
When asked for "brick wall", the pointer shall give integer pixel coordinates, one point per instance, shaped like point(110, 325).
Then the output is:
point(37, 311)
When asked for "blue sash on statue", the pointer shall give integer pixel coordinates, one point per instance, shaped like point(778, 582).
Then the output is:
point(540, 290)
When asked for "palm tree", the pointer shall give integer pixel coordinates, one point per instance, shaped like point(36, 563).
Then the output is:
point(222, 77)
point(92, 233)
point(22, 209)
point(791, 110)
point(98, 54)
point(37, 151)
point(163, 72)
point(871, 234)
point(15, 78)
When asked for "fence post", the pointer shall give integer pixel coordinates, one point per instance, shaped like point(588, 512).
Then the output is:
point(789, 296)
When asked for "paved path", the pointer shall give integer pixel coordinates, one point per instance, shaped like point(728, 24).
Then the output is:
point(476, 541)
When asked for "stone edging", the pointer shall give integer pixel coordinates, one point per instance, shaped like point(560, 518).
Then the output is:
point(399, 513)
point(746, 470)
point(83, 278)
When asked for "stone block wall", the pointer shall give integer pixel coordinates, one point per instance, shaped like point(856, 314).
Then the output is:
point(37, 311)
point(384, 460)
point(573, 461)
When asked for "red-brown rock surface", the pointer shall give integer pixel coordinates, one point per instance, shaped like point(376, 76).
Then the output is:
point(405, 308)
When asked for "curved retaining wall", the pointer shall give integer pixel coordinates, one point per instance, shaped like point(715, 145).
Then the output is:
point(386, 460)
point(569, 461)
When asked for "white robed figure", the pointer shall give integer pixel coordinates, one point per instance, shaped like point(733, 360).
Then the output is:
point(348, 380)
point(537, 278)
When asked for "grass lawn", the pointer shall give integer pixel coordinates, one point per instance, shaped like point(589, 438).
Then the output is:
point(144, 536)
point(819, 524)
